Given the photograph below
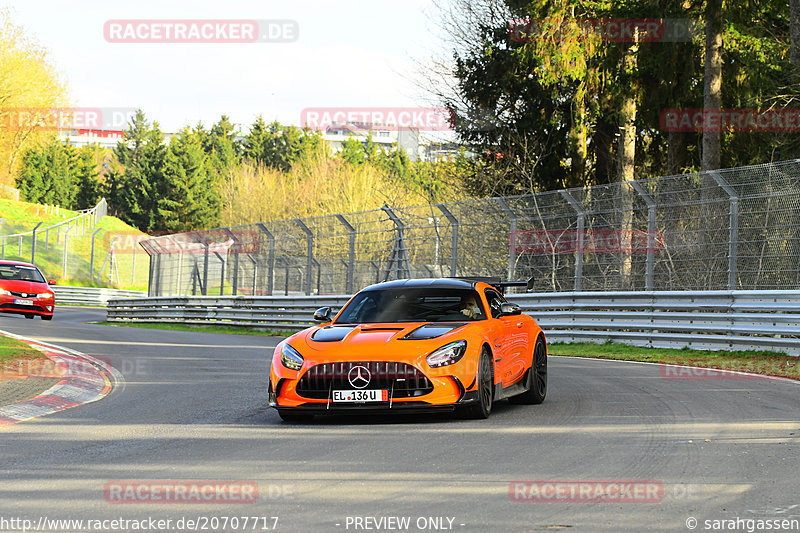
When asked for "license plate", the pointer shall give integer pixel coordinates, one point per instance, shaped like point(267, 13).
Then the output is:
point(19, 301)
point(372, 395)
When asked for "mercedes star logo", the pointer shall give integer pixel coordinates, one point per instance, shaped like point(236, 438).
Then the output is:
point(359, 376)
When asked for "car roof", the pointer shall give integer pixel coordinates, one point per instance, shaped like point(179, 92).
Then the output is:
point(428, 283)
point(16, 263)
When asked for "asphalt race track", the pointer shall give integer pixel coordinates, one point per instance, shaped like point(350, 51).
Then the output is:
point(192, 407)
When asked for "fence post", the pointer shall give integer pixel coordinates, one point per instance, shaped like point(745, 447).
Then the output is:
point(351, 253)
point(235, 283)
point(512, 252)
point(581, 236)
point(133, 263)
point(454, 238)
point(286, 274)
point(270, 257)
point(221, 275)
point(651, 234)
point(309, 254)
point(733, 228)
point(255, 272)
point(66, 251)
point(91, 257)
point(204, 288)
point(399, 259)
point(33, 242)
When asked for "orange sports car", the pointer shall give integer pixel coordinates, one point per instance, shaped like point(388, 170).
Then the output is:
point(413, 345)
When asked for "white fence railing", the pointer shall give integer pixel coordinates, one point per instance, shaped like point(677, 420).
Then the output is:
point(716, 320)
point(66, 295)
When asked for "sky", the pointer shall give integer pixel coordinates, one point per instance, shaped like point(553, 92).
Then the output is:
point(348, 53)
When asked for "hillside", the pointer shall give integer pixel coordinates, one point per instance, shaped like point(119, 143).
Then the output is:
point(20, 217)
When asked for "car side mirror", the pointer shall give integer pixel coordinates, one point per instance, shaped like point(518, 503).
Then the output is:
point(51, 282)
point(509, 309)
point(323, 314)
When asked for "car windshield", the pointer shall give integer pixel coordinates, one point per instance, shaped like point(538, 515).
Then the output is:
point(20, 273)
point(413, 305)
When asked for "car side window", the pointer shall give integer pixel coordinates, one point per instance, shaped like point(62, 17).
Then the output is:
point(495, 300)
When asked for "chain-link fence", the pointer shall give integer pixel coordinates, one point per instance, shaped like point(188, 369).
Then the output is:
point(77, 249)
point(730, 229)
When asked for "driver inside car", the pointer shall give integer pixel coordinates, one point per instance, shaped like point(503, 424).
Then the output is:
point(470, 309)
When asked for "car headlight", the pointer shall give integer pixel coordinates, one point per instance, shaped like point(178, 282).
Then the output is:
point(447, 354)
point(291, 358)
point(45, 295)
point(5, 292)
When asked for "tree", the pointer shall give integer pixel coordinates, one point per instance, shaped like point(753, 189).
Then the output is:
point(133, 189)
point(712, 100)
point(30, 92)
point(186, 201)
point(59, 173)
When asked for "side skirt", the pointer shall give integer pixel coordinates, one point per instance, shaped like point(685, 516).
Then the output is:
point(519, 387)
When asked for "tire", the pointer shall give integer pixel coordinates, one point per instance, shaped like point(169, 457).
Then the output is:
point(485, 378)
point(29, 316)
point(537, 377)
point(289, 416)
point(47, 317)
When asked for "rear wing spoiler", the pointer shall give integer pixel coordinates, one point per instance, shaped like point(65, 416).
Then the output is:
point(501, 285)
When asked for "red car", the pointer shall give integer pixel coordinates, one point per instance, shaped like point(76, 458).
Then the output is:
point(25, 291)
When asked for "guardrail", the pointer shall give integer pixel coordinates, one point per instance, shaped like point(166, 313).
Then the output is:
point(715, 320)
point(280, 312)
point(66, 295)
point(705, 320)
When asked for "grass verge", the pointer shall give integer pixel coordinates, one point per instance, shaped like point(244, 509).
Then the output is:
point(756, 362)
point(231, 330)
point(12, 349)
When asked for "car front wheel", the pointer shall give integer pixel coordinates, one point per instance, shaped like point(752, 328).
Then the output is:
point(485, 379)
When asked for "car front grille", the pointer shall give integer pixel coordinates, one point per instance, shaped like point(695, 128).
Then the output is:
point(400, 379)
point(15, 307)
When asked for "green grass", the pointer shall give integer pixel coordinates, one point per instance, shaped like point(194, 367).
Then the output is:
point(757, 362)
point(12, 349)
point(232, 330)
point(21, 217)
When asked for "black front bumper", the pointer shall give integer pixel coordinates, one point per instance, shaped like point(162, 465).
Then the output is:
point(411, 407)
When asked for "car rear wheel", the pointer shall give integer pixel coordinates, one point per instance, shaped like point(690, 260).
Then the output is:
point(485, 378)
point(289, 416)
point(537, 377)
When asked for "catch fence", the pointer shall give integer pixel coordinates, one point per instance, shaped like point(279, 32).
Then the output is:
point(733, 229)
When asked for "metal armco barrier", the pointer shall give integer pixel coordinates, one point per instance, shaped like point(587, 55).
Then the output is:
point(261, 311)
point(66, 295)
point(704, 320)
point(713, 320)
